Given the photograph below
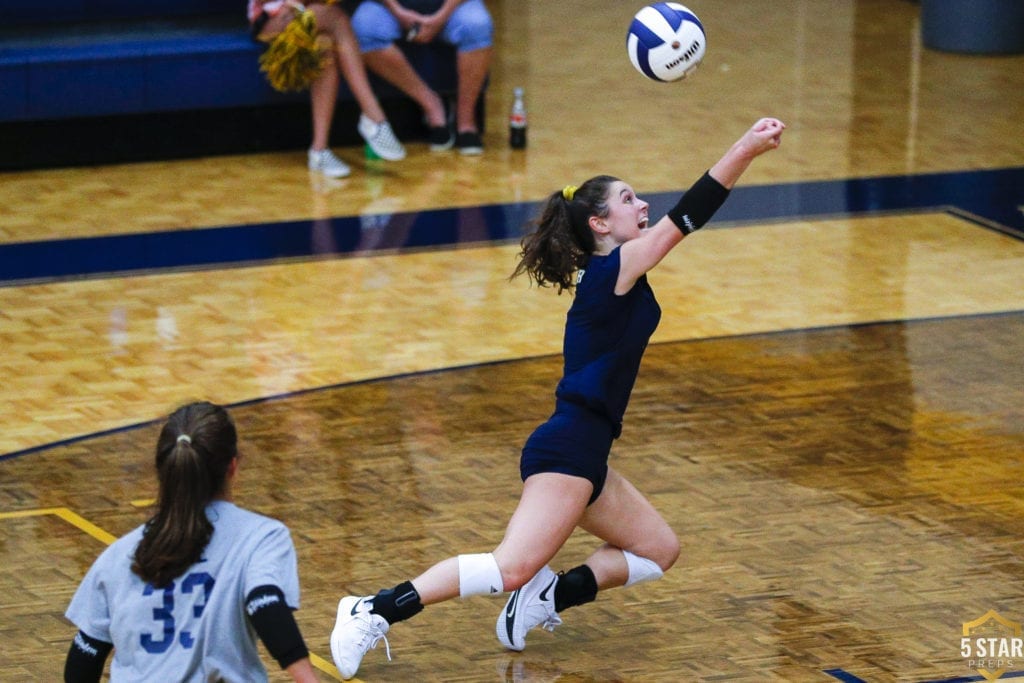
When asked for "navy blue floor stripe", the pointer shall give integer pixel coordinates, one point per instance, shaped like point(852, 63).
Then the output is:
point(847, 677)
point(991, 197)
point(844, 676)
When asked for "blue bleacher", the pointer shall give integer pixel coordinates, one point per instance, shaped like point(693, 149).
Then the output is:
point(68, 59)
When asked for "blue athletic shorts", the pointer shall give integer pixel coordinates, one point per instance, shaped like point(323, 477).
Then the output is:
point(470, 27)
point(573, 441)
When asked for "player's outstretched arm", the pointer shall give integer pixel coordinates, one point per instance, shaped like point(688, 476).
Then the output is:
point(700, 202)
point(707, 195)
point(763, 136)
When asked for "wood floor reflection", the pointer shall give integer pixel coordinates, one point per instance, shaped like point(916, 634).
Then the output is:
point(844, 498)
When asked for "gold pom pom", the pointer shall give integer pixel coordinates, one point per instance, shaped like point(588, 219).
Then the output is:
point(293, 60)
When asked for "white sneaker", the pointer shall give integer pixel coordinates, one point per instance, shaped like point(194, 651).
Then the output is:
point(532, 605)
point(324, 161)
point(356, 631)
point(381, 139)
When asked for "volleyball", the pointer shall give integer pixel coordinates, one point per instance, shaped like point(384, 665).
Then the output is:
point(666, 41)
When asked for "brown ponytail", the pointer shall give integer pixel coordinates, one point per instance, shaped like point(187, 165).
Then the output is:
point(563, 241)
point(193, 453)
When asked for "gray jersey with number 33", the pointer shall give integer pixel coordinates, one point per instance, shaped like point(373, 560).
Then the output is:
point(195, 629)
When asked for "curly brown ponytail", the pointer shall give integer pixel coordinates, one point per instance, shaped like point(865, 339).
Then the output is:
point(562, 241)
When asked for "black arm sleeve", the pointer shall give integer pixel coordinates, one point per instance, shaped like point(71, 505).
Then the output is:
point(699, 204)
point(85, 660)
point(275, 625)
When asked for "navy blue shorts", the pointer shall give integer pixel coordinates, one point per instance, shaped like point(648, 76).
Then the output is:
point(573, 441)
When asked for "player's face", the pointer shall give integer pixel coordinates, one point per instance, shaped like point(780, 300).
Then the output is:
point(627, 213)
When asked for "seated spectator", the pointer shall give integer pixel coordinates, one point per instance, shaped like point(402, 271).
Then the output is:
point(298, 57)
point(465, 24)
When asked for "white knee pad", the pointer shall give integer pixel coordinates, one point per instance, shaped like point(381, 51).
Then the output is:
point(479, 575)
point(641, 569)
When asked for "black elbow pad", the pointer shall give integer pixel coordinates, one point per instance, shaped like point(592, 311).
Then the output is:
point(275, 625)
point(85, 660)
point(699, 204)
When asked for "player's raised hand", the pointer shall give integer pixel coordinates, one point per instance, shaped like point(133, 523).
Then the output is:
point(765, 135)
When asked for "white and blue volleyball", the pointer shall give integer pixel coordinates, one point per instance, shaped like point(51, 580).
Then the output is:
point(666, 41)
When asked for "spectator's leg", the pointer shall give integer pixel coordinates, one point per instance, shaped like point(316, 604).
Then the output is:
point(333, 21)
point(471, 30)
point(391, 64)
point(473, 67)
point(323, 94)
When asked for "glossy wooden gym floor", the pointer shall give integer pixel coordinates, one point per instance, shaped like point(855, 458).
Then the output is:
point(830, 415)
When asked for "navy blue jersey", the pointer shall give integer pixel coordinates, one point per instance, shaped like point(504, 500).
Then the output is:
point(605, 339)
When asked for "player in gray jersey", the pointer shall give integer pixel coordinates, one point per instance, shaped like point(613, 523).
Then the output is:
point(184, 596)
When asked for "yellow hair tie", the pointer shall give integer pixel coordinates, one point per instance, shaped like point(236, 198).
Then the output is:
point(568, 192)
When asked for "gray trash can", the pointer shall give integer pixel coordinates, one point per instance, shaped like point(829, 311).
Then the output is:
point(973, 26)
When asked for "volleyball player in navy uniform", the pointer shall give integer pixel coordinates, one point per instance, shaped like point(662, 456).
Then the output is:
point(183, 597)
point(594, 240)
